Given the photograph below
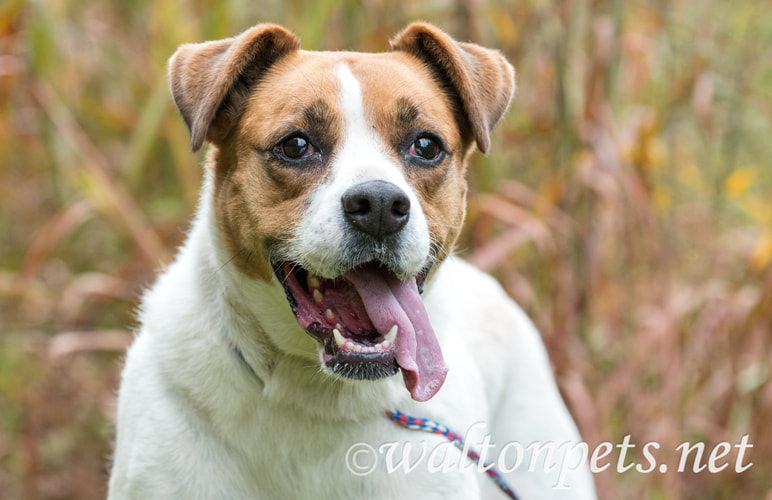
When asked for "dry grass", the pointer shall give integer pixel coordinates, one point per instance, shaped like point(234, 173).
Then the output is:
point(626, 206)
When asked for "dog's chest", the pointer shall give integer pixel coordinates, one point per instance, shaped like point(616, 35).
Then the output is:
point(285, 452)
point(294, 457)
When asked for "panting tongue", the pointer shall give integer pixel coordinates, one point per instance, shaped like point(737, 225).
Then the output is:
point(390, 302)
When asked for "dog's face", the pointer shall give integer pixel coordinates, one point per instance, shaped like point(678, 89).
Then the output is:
point(341, 176)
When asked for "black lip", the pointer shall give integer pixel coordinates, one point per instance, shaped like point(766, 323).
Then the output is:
point(371, 366)
point(421, 277)
point(279, 273)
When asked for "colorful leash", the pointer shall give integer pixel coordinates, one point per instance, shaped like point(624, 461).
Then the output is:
point(424, 424)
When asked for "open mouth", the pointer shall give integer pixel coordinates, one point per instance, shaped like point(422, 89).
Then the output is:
point(369, 324)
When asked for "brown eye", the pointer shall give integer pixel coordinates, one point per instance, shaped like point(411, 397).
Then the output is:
point(425, 147)
point(296, 147)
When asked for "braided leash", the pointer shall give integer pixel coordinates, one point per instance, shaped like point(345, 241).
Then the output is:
point(424, 424)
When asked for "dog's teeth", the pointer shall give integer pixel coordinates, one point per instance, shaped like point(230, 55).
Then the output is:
point(392, 335)
point(352, 346)
point(384, 345)
point(339, 340)
point(337, 325)
point(331, 316)
point(313, 281)
point(318, 297)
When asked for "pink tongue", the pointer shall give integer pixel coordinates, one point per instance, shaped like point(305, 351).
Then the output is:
point(389, 302)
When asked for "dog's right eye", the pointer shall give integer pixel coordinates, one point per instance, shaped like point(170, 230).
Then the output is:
point(295, 147)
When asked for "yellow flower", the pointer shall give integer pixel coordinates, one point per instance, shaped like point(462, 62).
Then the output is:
point(739, 181)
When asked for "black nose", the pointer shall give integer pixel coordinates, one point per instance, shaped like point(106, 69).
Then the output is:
point(378, 208)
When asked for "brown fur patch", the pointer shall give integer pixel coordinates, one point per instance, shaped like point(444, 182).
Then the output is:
point(259, 199)
point(481, 78)
point(210, 81)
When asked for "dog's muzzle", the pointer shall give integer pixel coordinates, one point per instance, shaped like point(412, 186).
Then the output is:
point(369, 321)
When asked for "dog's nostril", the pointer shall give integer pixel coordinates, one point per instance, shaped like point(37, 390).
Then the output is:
point(377, 208)
point(356, 205)
point(401, 206)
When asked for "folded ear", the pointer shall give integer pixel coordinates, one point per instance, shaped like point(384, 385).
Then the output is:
point(210, 81)
point(481, 78)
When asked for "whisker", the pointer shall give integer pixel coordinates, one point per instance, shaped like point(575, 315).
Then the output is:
point(227, 262)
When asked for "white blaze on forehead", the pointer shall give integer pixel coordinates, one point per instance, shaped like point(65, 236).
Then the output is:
point(351, 101)
point(361, 156)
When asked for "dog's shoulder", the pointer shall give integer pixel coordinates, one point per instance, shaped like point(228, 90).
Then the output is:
point(473, 310)
point(492, 339)
point(471, 302)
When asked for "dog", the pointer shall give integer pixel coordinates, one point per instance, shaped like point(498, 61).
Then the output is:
point(316, 293)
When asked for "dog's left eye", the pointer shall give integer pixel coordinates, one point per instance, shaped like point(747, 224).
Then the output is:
point(295, 147)
point(425, 147)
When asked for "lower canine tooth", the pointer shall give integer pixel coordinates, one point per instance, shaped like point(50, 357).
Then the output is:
point(339, 340)
point(392, 335)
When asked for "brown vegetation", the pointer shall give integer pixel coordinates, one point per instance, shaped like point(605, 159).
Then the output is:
point(625, 204)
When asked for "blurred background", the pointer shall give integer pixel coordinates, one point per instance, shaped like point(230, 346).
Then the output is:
point(626, 205)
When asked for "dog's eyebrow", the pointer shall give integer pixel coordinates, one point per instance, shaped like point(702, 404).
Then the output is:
point(317, 115)
point(406, 112)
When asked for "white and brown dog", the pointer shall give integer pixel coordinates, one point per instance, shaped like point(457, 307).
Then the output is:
point(316, 290)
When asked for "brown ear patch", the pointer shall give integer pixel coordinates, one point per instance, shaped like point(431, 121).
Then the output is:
point(482, 78)
point(210, 81)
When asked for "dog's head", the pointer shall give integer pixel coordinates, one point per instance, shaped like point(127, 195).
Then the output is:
point(341, 176)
